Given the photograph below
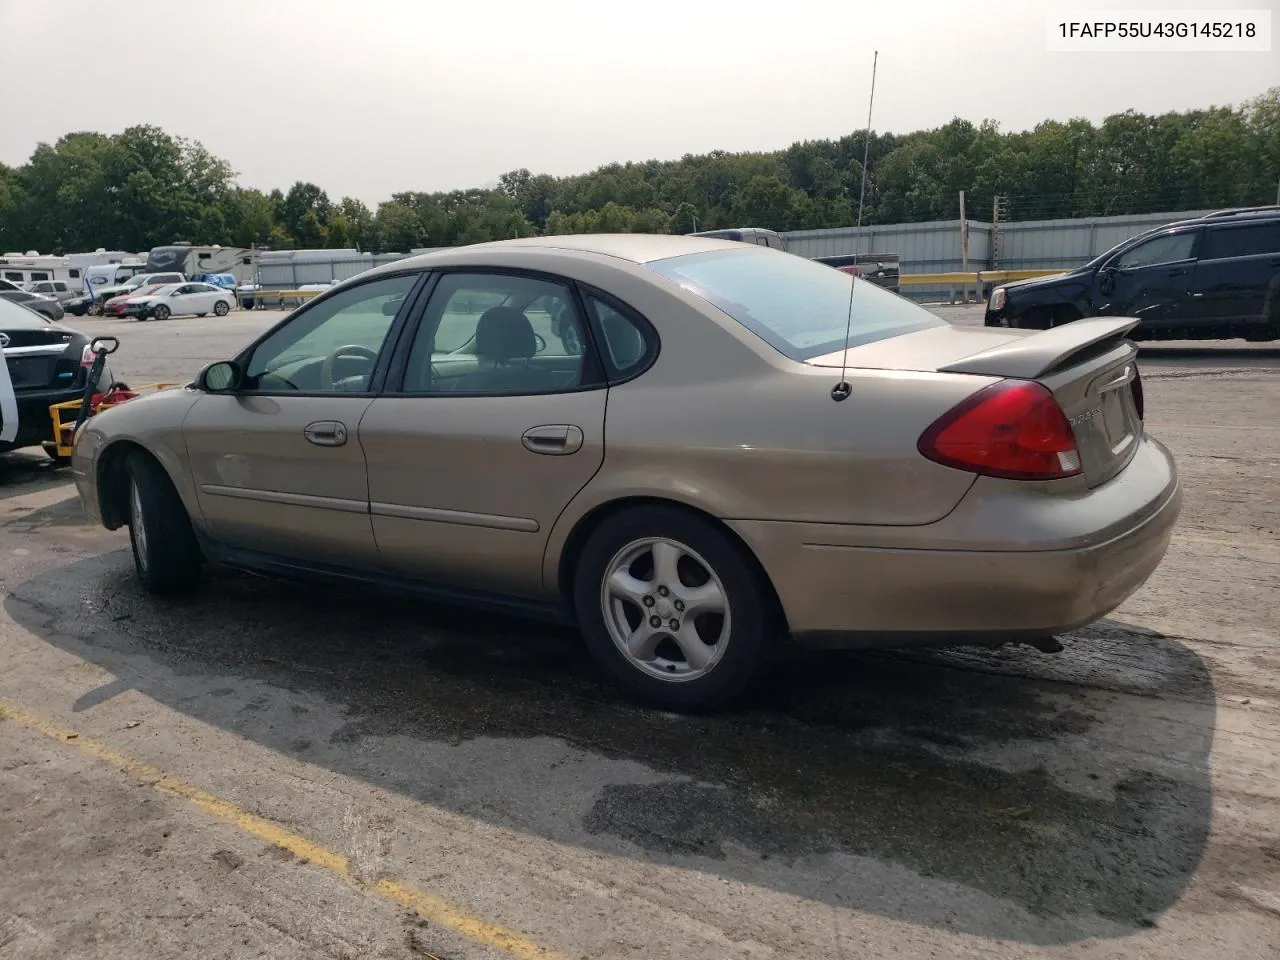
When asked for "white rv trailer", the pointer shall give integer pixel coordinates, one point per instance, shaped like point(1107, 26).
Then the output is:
point(31, 267)
point(192, 261)
point(24, 268)
point(104, 275)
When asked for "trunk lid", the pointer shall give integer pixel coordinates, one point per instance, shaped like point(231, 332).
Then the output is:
point(1089, 365)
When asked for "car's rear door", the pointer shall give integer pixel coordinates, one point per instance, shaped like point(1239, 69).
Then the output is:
point(277, 465)
point(1239, 264)
point(206, 296)
point(492, 422)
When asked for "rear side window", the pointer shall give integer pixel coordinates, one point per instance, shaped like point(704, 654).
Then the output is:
point(1247, 241)
point(797, 306)
point(625, 343)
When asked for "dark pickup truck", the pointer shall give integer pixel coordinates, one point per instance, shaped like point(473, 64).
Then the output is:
point(882, 269)
point(1211, 278)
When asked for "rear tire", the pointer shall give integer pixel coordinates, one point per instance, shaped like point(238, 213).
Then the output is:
point(639, 615)
point(166, 555)
point(221, 308)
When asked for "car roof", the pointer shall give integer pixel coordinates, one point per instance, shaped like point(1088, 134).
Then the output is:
point(1229, 216)
point(632, 247)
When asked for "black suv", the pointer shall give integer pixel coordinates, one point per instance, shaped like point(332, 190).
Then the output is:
point(1211, 278)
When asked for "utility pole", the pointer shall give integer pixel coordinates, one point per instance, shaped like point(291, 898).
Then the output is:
point(964, 248)
point(999, 215)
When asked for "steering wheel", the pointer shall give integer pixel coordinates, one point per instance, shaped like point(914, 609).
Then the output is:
point(350, 350)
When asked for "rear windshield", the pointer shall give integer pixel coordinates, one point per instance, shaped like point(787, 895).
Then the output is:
point(14, 317)
point(797, 306)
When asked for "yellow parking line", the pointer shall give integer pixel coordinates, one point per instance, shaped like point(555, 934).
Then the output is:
point(426, 905)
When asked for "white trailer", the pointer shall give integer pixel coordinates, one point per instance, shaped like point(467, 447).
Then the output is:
point(192, 261)
point(31, 267)
point(24, 269)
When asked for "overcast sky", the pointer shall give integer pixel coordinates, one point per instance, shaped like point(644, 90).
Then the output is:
point(367, 97)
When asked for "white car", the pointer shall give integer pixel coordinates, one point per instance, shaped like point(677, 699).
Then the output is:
point(181, 299)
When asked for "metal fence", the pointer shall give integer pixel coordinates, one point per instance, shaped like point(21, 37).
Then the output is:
point(935, 247)
point(285, 274)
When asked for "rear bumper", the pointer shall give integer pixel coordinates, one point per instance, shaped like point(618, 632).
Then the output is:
point(34, 423)
point(1073, 563)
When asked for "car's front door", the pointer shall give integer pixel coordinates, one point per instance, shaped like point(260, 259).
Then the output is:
point(1150, 280)
point(186, 299)
point(492, 424)
point(277, 463)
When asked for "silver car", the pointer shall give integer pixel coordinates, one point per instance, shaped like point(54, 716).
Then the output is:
point(664, 440)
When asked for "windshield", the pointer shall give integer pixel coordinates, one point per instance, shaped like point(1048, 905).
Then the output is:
point(799, 307)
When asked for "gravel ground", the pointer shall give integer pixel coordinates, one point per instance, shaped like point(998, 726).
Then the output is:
point(278, 770)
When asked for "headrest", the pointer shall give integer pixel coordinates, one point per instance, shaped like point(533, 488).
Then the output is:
point(505, 333)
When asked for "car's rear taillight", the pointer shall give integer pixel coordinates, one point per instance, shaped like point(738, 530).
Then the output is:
point(1139, 403)
point(1012, 429)
point(86, 356)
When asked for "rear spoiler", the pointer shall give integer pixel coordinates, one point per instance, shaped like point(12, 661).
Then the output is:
point(1027, 358)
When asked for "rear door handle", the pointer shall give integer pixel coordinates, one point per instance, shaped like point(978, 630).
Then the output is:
point(1179, 271)
point(557, 439)
point(326, 433)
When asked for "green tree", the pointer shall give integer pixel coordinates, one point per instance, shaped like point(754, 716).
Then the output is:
point(398, 228)
point(303, 213)
point(685, 218)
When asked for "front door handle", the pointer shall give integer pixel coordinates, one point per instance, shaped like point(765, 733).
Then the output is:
point(555, 439)
point(1179, 271)
point(326, 433)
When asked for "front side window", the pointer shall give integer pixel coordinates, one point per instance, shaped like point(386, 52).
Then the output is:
point(491, 333)
point(333, 345)
point(1170, 248)
point(799, 307)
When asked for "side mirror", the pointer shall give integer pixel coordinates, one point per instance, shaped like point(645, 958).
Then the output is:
point(1107, 279)
point(224, 376)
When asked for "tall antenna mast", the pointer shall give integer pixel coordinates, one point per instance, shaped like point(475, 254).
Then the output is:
point(866, 147)
point(843, 389)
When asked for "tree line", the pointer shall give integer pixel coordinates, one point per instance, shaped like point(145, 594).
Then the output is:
point(144, 187)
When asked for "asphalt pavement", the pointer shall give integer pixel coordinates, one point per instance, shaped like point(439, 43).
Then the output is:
point(279, 770)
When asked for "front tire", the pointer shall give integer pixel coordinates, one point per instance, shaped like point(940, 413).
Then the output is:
point(161, 312)
point(672, 609)
point(166, 555)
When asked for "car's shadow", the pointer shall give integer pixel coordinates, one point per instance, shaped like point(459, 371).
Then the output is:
point(1190, 352)
point(1004, 794)
point(28, 470)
